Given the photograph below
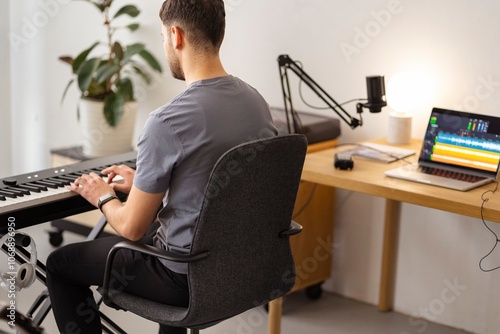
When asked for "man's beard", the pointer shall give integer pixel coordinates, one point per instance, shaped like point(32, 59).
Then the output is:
point(175, 67)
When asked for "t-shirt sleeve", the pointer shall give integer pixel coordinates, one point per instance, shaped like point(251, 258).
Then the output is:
point(159, 152)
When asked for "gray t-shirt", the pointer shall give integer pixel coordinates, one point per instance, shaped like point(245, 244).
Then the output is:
point(180, 144)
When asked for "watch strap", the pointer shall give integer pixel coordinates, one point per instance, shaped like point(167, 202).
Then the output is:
point(105, 199)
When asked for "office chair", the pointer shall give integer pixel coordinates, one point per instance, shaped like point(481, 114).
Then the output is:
point(240, 256)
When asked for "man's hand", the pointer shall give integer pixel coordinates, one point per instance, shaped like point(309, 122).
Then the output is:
point(125, 172)
point(91, 187)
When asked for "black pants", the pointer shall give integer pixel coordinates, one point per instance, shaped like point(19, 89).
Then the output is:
point(72, 269)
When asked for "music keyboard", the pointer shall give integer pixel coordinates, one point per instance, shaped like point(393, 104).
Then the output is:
point(41, 196)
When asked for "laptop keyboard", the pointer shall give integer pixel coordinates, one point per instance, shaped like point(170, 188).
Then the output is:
point(450, 175)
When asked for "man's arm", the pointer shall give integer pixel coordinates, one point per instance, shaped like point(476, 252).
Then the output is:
point(130, 219)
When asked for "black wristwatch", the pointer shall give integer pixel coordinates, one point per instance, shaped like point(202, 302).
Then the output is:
point(105, 199)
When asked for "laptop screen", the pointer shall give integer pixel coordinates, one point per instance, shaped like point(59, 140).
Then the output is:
point(460, 139)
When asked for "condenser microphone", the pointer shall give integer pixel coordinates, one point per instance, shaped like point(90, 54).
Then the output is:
point(375, 87)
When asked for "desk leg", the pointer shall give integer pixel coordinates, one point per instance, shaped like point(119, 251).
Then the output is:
point(275, 310)
point(390, 244)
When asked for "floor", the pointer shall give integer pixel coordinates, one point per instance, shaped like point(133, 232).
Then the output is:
point(330, 314)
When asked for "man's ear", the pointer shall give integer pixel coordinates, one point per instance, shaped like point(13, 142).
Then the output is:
point(177, 36)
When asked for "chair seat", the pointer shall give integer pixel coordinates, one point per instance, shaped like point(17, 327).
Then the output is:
point(151, 310)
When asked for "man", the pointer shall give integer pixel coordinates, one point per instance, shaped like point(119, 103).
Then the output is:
point(177, 150)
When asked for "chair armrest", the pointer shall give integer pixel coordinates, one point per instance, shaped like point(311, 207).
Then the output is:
point(295, 228)
point(145, 249)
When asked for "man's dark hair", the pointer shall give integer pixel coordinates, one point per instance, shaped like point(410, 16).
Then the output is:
point(202, 21)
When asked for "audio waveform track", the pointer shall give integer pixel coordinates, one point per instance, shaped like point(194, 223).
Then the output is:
point(477, 143)
point(472, 153)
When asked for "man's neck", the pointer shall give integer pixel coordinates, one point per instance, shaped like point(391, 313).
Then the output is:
point(203, 67)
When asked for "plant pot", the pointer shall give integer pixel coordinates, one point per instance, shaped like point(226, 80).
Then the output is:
point(99, 138)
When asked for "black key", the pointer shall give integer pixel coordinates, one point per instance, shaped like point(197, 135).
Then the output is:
point(7, 194)
point(2, 198)
point(130, 164)
point(60, 183)
point(38, 186)
point(75, 175)
point(18, 191)
point(94, 170)
point(47, 184)
point(63, 181)
point(30, 188)
point(67, 178)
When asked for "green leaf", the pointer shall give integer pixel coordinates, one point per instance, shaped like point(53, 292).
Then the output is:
point(118, 51)
point(125, 89)
point(144, 75)
point(102, 4)
point(97, 91)
point(133, 26)
point(113, 109)
point(66, 59)
point(151, 60)
point(129, 10)
point(85, 73)
point(101, 7)
point(82, 56)
point(105, 72)
point(132, 50)
point(66, 89)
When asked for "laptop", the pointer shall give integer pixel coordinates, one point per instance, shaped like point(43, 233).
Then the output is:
point(460, 151)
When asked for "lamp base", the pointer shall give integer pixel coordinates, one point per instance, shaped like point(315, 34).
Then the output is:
point(399, 129)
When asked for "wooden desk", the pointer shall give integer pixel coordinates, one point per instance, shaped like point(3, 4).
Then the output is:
point(368, 177)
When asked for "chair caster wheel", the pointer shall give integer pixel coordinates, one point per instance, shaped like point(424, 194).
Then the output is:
point(55, 238)
point(314, 292)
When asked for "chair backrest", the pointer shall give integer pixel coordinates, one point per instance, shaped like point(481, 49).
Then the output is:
point(249, 200)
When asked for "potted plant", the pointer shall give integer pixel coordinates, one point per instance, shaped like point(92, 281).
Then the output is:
point(105, 74)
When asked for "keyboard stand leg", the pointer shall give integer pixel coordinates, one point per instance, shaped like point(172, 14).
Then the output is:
point(43, 297)
point(43, 311)
point(97, 229)
point(58, 226)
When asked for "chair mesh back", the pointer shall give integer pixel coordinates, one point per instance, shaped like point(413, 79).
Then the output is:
point(249, 200)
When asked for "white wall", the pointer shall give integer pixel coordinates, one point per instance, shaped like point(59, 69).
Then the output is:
point(451, 45)
point(5, 135)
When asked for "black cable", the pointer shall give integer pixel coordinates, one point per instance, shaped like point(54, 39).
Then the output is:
point(353, 100)
point(316, 107)
point(486, 225)
point(306, 204)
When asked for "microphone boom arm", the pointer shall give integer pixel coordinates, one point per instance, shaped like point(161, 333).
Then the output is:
point(285, 63)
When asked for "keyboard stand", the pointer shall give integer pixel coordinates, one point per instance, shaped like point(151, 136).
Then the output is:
point(42, 302)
